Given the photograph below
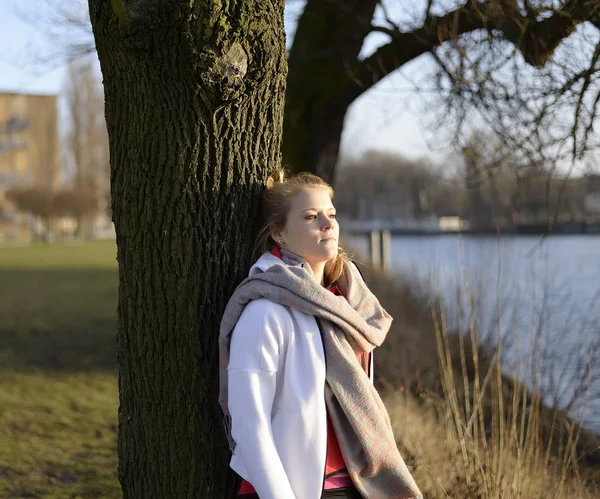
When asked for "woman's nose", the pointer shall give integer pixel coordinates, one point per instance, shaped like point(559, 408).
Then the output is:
point(327, 223)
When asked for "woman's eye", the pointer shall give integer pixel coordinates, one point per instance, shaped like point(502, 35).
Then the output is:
point(332, 215)
point(311, 217)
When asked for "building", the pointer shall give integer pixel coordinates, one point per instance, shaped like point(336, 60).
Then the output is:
point(29, 148)
point(29, 141)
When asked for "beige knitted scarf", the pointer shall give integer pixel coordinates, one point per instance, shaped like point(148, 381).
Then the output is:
point(350, 323)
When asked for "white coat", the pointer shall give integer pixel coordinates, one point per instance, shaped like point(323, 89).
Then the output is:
point(276, 398)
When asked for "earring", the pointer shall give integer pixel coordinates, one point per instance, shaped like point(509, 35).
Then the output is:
point(280, 241)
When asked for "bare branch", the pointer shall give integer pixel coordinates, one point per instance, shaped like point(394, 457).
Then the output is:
point(67, 28)
point(387, 31)
point(536, 40)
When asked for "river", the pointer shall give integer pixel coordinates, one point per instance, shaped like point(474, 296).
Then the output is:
point(548, 292)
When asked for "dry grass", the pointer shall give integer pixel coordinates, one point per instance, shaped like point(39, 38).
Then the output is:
point(444, 465)
point(466, 429)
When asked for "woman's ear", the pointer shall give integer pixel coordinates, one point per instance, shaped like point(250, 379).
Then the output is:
point(275, 233)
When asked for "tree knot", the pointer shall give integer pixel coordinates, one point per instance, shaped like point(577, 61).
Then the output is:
point(233, 65)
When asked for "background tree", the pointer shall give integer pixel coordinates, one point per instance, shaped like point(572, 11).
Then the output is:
point(35, 200)
point(487, 186)
point(194, 97)
point(384, 185)
point(46, 204)
point(483, 51)
point(86, 139)
point(75, 202)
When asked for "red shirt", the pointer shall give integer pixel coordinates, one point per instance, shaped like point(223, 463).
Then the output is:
point(334, 462)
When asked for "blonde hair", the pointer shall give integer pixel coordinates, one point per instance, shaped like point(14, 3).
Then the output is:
point(276, 206)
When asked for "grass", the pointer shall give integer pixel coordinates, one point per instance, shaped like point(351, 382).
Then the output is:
point(58, 435)
point(58, 380)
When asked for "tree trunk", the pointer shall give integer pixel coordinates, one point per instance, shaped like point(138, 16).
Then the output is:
point(194, 109)
point(327, 42)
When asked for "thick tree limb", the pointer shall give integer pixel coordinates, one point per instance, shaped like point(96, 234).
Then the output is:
point(536, 40)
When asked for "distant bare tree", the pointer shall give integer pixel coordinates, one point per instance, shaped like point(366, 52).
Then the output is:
point(36, 200)
point(488, 186)
point(66, 25)
point(77, 203)
point(46, 204)
point(87, 140)
point(504, 188)
point(384, 185)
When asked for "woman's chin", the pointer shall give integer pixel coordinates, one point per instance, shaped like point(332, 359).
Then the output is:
point(332, 253)
point(323, 256)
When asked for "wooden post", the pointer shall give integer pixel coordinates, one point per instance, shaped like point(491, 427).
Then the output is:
point(386, 250)
point(375, 249)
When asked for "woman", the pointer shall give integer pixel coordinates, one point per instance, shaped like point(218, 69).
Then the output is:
point(295, 343)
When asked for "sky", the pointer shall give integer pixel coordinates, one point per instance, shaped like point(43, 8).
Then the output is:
point(385, 118)
point(21, 42)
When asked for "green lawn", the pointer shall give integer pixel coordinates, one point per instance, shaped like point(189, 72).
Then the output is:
point(58, 381)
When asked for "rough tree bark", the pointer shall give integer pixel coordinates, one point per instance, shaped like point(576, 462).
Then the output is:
point(194, 108)
point(326, 76)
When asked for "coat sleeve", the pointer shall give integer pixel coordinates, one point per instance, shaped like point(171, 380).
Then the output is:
point(255, 359)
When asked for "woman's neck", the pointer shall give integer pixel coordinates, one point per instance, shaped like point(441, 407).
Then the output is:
point(318, 270)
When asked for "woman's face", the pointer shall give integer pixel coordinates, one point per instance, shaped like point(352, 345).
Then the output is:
point(311, 230)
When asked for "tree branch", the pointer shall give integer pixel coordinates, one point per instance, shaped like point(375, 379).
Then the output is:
point(536, 40)
point(388, 31)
